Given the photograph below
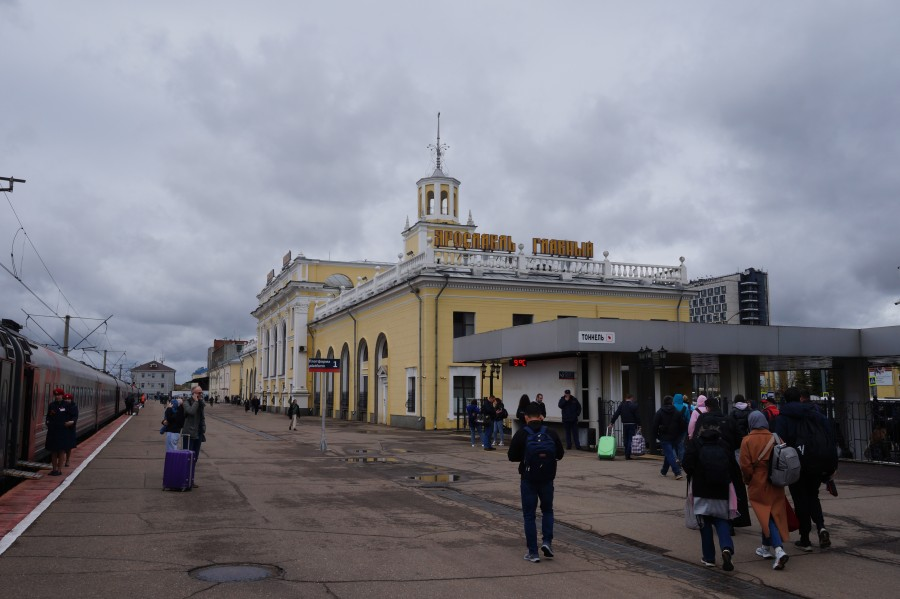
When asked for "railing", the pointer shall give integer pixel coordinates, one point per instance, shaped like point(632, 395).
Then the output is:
point(486, 262)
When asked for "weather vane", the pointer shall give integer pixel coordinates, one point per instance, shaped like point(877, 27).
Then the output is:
point(438, 148)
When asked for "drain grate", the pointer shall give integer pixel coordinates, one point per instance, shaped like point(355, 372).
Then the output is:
point(371, 460)
point(236, 572)
point(436, 478)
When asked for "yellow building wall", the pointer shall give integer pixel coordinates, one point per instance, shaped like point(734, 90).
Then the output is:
point(398, 319)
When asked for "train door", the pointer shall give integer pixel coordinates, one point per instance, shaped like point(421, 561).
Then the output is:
point(29, 405)
point(7, 414)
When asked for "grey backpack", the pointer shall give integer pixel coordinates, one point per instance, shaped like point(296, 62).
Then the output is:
point(784, 463)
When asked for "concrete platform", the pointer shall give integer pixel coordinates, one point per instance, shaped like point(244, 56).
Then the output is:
point(388, 513)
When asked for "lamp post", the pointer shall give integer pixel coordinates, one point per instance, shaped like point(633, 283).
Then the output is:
point(492, 370)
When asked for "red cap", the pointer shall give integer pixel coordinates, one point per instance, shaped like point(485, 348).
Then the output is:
point(68, 396)
point(58, 391)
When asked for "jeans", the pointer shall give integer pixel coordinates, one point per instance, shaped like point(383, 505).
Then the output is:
point(474, 429)
point(487, 434)
point(628, 430)
point(669, 459)
point(498, 431)
point(679, 448)
point(707, 523)
point(572, 433)
point(193, 445)
point(172, 441)
point(774, 539)
point(805, 493)
point(531, 492)
point(293, 425)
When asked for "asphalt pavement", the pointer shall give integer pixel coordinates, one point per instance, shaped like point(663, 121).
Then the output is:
point(386, 512)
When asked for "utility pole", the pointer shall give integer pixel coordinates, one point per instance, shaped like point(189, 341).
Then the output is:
point(12, 181)
point(66, 337)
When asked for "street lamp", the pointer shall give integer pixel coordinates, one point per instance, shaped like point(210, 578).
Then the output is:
point(492, 370)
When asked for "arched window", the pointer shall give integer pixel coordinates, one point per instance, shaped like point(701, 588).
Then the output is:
point(445, 203)
point(429, 207)
point(266, 354)
point(274, 364)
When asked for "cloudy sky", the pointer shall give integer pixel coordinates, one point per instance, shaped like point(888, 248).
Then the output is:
point(174, 151)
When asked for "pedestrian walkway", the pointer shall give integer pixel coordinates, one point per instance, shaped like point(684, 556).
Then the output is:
point(388, 512)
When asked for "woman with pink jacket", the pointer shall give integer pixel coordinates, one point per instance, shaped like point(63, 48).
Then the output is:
point(700, 409)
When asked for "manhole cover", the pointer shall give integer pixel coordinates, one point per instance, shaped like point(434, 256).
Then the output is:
point(362, 451)
point(236, 572)
point(436, 478)
point(371, 460)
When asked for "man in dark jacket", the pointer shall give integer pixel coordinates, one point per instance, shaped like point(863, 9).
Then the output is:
point(487, 433)
point(805, 492)
point(668, 424)
point(628, 410)
point(571, 410)
point(533, 490)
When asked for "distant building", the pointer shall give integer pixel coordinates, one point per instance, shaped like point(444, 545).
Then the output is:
point(154, 378)
point(739, 298)
point(225, 370)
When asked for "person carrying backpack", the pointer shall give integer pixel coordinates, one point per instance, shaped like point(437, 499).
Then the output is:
point(709, 463)
point(802, 427)
point(537, 449)
point(740, 413)
point(767, 500)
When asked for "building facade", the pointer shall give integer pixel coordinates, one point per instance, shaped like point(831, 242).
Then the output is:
point(739, 298)
point(154, 378)
point(392, 325)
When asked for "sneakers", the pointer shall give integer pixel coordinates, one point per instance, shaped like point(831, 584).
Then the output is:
point(679, 476)
point(764, 551)
point(803, 545)
point(662, 474)
point(490, 449)
point(824, 539)
point(545, 549)
point(726, 560)
point(500, 443)
point(707, 564)
point(781, 559)
point(532, 557)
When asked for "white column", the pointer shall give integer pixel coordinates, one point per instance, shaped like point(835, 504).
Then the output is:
point(595, 391)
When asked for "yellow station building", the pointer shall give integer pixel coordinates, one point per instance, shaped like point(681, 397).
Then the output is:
point(392, 325)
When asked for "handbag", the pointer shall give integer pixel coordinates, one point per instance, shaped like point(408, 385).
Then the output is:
point(793, 521)
point(690, 519)
point(638, 443)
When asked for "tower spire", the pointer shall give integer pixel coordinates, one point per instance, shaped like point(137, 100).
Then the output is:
point(438, 148)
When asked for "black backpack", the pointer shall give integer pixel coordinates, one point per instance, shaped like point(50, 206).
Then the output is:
point(741, 420)
point(817, 455)
point(714, 457)
point(540, 455)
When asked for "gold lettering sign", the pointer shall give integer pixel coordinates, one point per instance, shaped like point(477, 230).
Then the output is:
point(541, 246)
point(466, 240)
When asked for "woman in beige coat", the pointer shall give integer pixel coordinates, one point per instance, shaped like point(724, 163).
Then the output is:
point(767, 500)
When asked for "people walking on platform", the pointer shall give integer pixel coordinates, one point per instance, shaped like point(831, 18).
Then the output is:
point(129, 404)
point(803, 427)
point(699, 409)
point(727, 429)
point(668, 425)
point(293, 414)
point(55, 421)
point(500, 414)
point(71, 425)
point(709, 463)
point(628, 411)
point(194, 423)
point(678, 400)
point(519, 421)
point(539, 399)
point(767, 500)
point(173, 421)
point(472, 414)
point(487, 423)
point(740, 413)
point(247, 403)
point(537, 449)
point(571, 410)
point(255, 404)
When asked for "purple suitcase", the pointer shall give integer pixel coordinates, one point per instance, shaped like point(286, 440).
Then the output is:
point(178, 472)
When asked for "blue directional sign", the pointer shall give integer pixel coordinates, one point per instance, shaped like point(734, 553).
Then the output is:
point(324, 365)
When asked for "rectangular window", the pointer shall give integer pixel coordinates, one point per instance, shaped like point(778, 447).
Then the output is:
point(411, 394)
point(463, 324)
point(463, 393)
point(520, 319)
